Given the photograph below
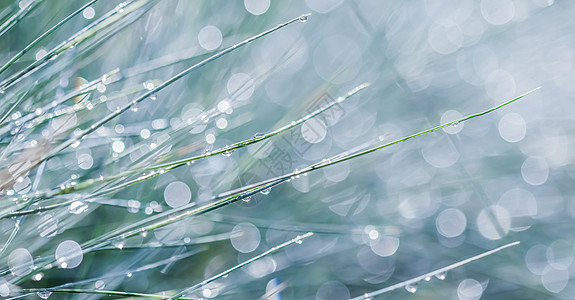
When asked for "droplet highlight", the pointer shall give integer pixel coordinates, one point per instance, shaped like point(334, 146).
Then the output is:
point(412, 288)
point(44, 294)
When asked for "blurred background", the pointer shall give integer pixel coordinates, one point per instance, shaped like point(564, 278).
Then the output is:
point(378, 219)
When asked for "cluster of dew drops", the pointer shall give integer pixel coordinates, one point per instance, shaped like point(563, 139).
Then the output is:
point(412, 287)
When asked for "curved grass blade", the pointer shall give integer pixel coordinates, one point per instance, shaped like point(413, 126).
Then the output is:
point(296, 240)
point(433, 273)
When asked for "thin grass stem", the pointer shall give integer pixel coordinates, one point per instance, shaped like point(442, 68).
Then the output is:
point(98, 292)
point(118, 13)
point(42, 36)
point(433, 273)
point(295, 240)
point(14, 19)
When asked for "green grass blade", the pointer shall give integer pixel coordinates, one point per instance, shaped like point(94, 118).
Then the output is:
point(433, 273)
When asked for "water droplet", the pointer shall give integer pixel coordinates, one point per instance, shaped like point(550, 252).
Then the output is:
point(129, 274)
point(303, 18)
point(227, 153)
point(119, 244)
point(298, 241)
point(455, 124)
point(205, 118)
point(153, 97)
point(78, 207)
point(266, 191)
point(247, 199)
point(257, 135)
point(412, 287)
point(366, 296)
point(143, 232)
point(100, 284)
point(428, 278)
point(44, 294)
point(441, 275)
point(38, 276)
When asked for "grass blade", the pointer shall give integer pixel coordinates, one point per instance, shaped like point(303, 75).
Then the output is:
point(42, 36)
point(433, 273)
point(297, 240)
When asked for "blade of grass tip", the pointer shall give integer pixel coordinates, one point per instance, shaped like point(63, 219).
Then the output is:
point(262, 137)
point(437, 272)
point(468, 117)
point(178, 163)
point(42, 36)
point(4, 27)
point(77, 137)
point(168, 82)
point(296, 240)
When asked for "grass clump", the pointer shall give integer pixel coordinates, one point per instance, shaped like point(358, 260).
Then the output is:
point(147, 154)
